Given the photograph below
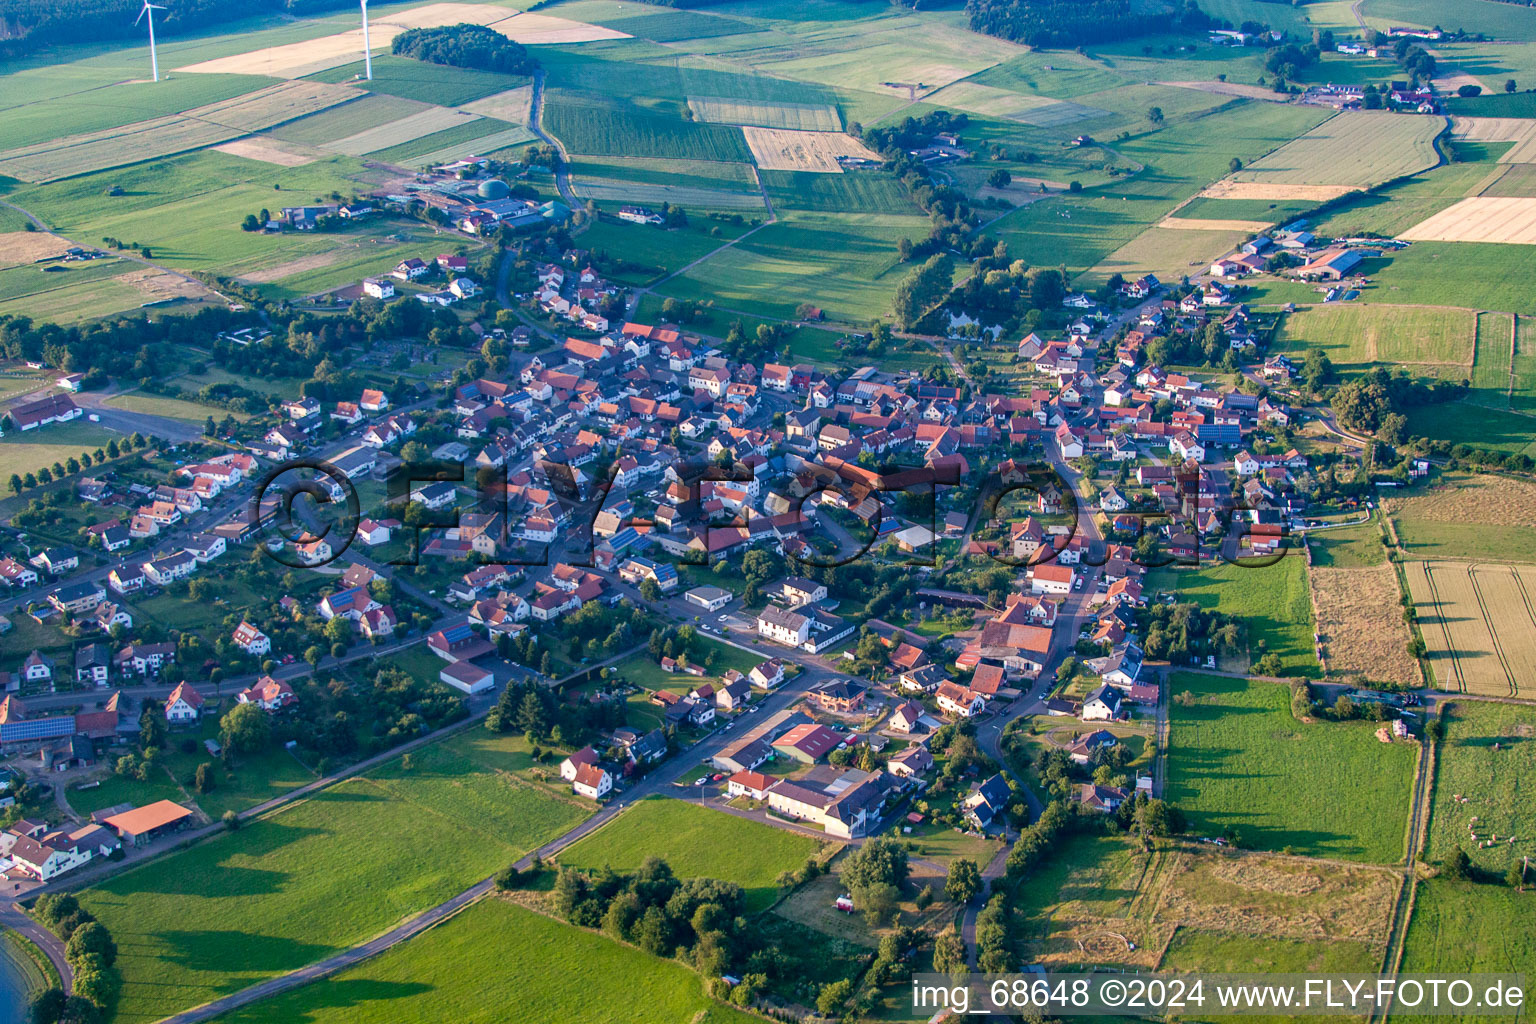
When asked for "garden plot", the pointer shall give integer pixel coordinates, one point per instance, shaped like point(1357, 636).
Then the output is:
point(1354, 148)
point(990, 101)
point(295, 60)
point(545, 29)
point(777, 149)
point(406, 129)
point(1508, 219)
point(809, 117)
point(164, 136)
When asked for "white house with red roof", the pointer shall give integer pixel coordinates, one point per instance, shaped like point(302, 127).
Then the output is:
point(183, 705)
point(586, 755)
point(269, 694)
point(252, 640)
point(591, 781)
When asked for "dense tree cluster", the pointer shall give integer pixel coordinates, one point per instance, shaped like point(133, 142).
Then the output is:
point(465, 46)
point(1377, 401)
point(1067, 23)
point(1176, 632)
point(699, 920)
point(91, 953)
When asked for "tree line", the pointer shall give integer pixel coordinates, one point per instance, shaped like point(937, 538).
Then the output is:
point(1069, 23)
point(91, 953)
point(32, 25)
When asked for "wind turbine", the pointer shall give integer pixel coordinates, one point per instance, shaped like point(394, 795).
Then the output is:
point(367, 53)
point(149, 10)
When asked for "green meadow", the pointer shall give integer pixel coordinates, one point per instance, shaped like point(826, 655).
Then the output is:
point(320, 875)
point(546, 969)
point(1238, 758)
point(698, 842)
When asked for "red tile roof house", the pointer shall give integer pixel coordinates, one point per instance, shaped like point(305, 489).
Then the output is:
point(270, 694)
point(183, 705)
point(586, 755)
point(808, 743)
point(752, 784)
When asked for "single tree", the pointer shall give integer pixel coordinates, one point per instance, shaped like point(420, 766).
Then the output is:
point(964, 881)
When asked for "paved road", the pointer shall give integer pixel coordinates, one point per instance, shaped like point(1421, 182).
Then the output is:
point(14, 918)
point(658, 781)
point(536, 125)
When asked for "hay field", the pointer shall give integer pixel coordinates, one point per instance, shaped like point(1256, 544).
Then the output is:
point(1168, 251)
point(271, 151)
point(1229, 188)
point(1511, 180)
point(991, 101)
point(1352, 148)
point(613, 190)
point(1361, 624)
point(511, 105)
point(778, 149)
point(545, 29)
point(164, 136)
point(1500, 129)
point(1508, 219)
point(22, 247)
point(1487, 501)
point(1103, 893)
point(295, 60)
point(159, 286)
point(1479, 622)
point(807, 117)
point(1356, 336)
point(1252, 92)
point(1193, 224)
point(405, 129)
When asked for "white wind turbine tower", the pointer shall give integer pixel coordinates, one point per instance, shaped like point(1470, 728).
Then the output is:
point(149, 11)
point(367, 53)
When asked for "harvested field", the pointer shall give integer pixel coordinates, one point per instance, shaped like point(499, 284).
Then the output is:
point(1191, 224)
point(1479, 622)
point(1354, 148)
point(809, 117)
point(990, 101)
point(777, 149)
point(1361, 624)
point(545, 29)
point(295, 60)
point(406, 129)
point(1480, 219)
point(21, 247)
point(511, 105)
point(314, 261)
point(1518, 130)
point(1227, 188)
point(271, 151)
point(164, 136)
point(159, 286)
point(433, 15)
